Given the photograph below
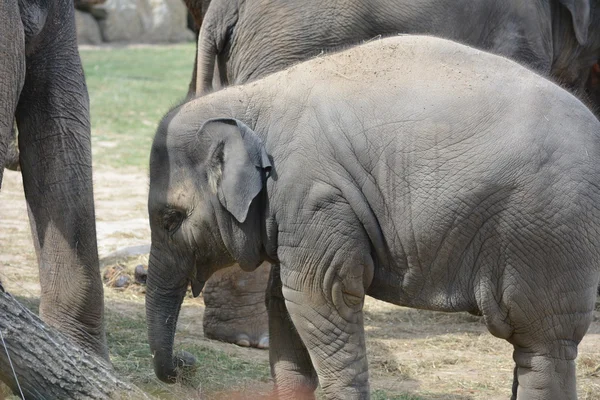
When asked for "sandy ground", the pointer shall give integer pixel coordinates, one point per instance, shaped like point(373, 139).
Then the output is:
point(432, 355)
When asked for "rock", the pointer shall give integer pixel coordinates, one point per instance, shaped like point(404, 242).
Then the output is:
point(98, 13)
point(145, 21)
point(141, 274)
point(125, 252)
point(116, 277)
point(169, 19)
point(86, 5)
point(122, 22)
point(122, 281)
point(88, 31)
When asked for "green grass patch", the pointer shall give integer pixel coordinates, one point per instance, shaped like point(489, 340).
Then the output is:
point(216, 370)
point(130, 90)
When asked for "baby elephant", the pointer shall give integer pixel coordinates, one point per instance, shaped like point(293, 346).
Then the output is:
point(411, 169)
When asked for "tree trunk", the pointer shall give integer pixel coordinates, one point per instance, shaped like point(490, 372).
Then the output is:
point(47, 365)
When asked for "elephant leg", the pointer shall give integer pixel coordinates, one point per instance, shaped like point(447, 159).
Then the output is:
point(192, 86)
point(12, 71)
point(545, 333)
point(12, 152)
point(542, 376)
point(197, 9)
point(291, 367)
point(56, 163)
point(515, 385)
point(235, 307)
point(329, 320)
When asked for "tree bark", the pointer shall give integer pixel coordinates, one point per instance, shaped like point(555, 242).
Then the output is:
point(47, 365)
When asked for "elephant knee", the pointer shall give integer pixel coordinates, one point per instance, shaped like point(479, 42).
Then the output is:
point(348, 288)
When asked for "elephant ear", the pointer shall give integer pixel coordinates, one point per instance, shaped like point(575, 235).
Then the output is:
point(237, 165)
point(580, 13)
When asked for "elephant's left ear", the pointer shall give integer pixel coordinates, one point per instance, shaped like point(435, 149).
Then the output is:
point(238, 164)
point(580, 14)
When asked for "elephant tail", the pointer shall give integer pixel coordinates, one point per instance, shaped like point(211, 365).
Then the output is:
point(205, 62)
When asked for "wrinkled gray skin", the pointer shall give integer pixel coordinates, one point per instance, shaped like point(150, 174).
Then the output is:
point(197, 9)
point(246, 40)
point(12, 155)
point(42, 87)
point(250, 39)
point(386, 170)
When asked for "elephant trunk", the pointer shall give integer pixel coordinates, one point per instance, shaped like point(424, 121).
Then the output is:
point(162, 311)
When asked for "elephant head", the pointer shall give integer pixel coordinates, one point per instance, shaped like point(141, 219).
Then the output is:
point(203, 215)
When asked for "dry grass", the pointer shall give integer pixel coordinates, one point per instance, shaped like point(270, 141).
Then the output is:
point(413, 354)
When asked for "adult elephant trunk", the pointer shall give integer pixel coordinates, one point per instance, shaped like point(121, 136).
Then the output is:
point(164, 296)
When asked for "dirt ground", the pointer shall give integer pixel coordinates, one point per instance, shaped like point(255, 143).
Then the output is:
point(427, 354)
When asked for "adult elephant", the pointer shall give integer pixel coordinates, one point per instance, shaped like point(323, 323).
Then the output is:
point(43, 88)
point(245, 40)
point(250, 39)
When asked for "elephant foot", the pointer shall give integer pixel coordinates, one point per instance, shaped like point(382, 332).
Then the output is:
point(244, 340)
point(235, 307)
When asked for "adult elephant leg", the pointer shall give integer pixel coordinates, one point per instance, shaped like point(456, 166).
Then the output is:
point(329, 320)
point(12, 152)
point(56, 162)
point(196, 11)
point(192, 86)
point(235, 307)
point(12, 70)
point(291, 367)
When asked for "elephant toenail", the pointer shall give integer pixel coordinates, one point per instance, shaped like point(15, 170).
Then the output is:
point(243, 341)
point(263, 343)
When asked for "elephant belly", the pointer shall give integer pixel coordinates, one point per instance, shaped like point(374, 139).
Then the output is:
point(429, 289)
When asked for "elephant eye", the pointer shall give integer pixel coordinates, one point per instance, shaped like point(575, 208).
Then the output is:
point(172, 219)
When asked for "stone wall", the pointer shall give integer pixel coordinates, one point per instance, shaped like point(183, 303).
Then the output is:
point(131, 21)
